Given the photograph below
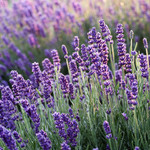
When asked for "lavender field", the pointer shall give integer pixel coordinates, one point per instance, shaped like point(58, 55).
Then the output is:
point(74, 75)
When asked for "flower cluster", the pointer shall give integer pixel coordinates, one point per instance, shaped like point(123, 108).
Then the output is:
point(143, 65)
point(44, 140)
point(133, 93)
point(121, 45)
point(72, 127)
point(7, 138)
point(107, 129)
point(31, 111)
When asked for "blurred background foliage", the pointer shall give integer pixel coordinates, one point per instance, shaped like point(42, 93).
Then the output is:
point(30, 29)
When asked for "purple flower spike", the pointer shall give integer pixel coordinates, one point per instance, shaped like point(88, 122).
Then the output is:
point(65, 146)
point(64, 49)
point(121, 46)
point(44, 140)
point(131, 34)
point(137, 148)
point(64, 84)
point(7, 138)
point(144, 66)
point(145, 43)
point(17, 137)
point(107, 130)
point(125, 116)
point(74, 70)
point(76, 42)
point(37, 72)
point(56, 60)
point(105, 31)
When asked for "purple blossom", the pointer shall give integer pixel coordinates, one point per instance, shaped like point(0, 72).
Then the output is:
point(48, 67)
point(131, 34)
point(145, 43)
point(44, 141)
point(72, 131)
point(74, 70)
point(125, 116)
point(65, 146)
point(137, 148)
point(76, 43)
point(64, 49)
point(56, 60)
point(64, 84)
point(47, 89)
point(17, 136)
point(107, 129)
point(7, 138)
point(71, 91)
point(105, 31)
point(79, 60)
point(144, 66)
point(31, 111)
point(121, 46)
point(95, 149)
point(36, 72)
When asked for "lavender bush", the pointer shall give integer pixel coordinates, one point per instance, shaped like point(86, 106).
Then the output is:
point(99, 104)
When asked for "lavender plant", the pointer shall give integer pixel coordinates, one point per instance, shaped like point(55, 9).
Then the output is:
point(97, 105)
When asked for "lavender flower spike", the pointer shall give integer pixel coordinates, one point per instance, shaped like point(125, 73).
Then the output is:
point(65, 146)
point(131, 34)
point(65, 51)
point(107, 130)
point(44, 140)
point(8, 139)
point(145, 43)
point(137, 148)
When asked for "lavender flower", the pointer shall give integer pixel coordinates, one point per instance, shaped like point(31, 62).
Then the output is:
point(131, 34)
point(95, 149)
point(107, 129)
point(84, 52)
point(121, 45)
point(8, 110)
point(144, 66)
point(64, 84)
point(74, 70)
point(31, 111)
point(64, 49)
point(105, 31)
point(105, 77)
point(145, 43)
point(79, 60)
point(7, 138)
point(17, 137)
point(71, 91)
point(32, 40)
point(60, 125)
point(65, 146)
point(37, 72)
point(47, 89)
point(71, 112)
point(44, 140)
point(137, 148)
point(132, 94)
point(128, 64)
point(72, 127)
point(125, 116)
point(76, 43)
point(48, 67)
point(56, 60)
